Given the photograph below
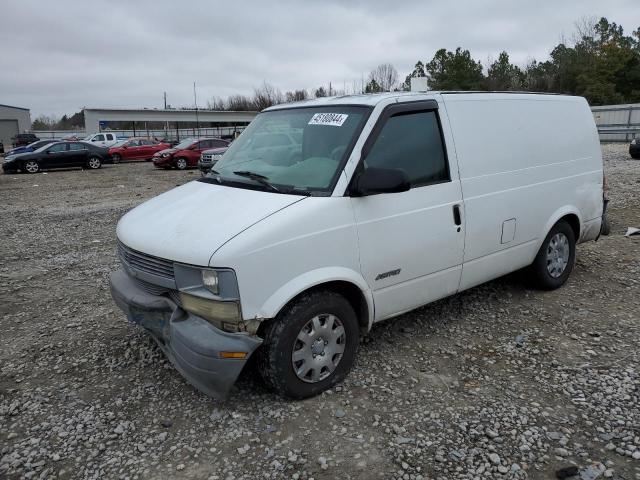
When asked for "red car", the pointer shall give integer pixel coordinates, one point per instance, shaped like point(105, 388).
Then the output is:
point(186, 153)
point(136, 149)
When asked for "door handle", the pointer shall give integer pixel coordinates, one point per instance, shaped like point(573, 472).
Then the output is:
point(457, 218)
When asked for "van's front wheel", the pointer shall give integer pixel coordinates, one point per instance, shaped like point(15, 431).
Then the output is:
point(555, 259)
point(310, 346)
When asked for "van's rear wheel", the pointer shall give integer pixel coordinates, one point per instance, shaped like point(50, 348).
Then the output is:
point(556, 257)
point(310, 346)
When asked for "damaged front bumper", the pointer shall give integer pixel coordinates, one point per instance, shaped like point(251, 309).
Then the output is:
point(192, 344)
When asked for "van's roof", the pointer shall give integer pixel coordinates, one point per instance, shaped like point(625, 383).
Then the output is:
point(372, 99)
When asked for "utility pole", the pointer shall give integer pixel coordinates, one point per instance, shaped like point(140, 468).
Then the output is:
point(195, 100)
point(166, 124)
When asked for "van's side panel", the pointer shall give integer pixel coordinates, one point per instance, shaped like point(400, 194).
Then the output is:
point(523, 160)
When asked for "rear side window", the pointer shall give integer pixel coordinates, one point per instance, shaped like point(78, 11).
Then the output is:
point(109, 136)
point(77, 146)
point(411, 142)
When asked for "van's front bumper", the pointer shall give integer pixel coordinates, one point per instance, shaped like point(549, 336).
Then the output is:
point(192, 344)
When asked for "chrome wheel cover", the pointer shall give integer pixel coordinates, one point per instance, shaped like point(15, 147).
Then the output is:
point(558, 254)
point(318, 348)
point(181, 163)
point(94, 163)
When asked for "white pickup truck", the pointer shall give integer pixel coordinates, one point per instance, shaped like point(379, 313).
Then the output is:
point(102, 139)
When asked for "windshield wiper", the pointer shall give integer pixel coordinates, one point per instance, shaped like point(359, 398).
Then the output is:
point(256, 177)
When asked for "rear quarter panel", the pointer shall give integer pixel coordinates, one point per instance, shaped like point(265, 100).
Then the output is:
point(534, 158)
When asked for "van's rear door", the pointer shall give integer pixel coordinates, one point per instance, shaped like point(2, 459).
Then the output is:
point(411, 243)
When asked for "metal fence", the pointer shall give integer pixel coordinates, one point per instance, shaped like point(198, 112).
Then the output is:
point(148, 133)
point(617, 123)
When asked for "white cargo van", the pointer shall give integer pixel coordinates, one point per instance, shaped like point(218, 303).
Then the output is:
point(379, 204)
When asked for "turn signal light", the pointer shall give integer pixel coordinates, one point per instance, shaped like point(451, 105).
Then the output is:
point(233, 354)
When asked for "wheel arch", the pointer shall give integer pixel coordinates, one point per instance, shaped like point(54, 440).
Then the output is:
point(343, 281)
point(571, 215)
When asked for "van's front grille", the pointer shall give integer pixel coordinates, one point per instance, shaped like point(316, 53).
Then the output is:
point(145, 263)
point(207, 157)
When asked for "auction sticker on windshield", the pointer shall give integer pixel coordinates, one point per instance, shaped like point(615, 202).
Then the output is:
point(333, 119)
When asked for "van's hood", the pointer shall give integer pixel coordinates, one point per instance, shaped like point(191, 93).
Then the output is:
point(189, 223)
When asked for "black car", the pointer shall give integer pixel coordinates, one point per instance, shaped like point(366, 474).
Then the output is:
point(23, 139)
point(58, 155)
point(634, 148)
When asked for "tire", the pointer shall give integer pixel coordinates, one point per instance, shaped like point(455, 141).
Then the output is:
point(549, 270)
point(31, 166)
point(94, 163)
point(181, 163)
point(327, 314)
point(116, 158)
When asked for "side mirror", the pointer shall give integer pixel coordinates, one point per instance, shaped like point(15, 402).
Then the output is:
point(380, 180)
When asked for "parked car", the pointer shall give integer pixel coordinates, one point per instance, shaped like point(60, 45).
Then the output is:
point(634, 148)
point(136, 149)
point(187, 153)
point(372, 212)
point(209, 158)
point(57, 155)
point(32, 147)
point(1, 147)
point(103, 139)
point(23, 139)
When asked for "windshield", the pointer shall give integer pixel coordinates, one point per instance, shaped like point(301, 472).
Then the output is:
point(43, 147)
point(295, 149)
point(185, 144)
point(36, 145)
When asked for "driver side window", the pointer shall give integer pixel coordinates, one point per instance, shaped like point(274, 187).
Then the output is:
point(411, 142)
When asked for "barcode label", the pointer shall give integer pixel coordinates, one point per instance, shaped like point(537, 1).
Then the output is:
point(332, 119)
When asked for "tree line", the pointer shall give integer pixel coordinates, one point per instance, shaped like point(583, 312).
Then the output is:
point(599, 62)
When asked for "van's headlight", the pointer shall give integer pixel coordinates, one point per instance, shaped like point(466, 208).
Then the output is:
point(211, 294)
point(224, 315)
point(210, 281)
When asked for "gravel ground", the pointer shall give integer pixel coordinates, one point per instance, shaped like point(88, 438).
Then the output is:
point(498, 382)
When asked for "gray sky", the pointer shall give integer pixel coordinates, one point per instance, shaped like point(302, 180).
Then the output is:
point(58, 56)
